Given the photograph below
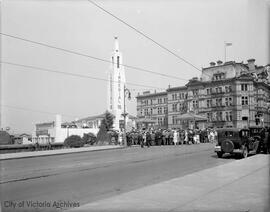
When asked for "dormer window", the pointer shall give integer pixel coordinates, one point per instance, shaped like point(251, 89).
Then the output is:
point(218, 76)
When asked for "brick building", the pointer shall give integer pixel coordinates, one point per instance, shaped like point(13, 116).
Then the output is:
point(228, 94)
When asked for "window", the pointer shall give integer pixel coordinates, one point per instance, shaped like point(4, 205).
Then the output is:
point(209, 116)
point(227, 116)
point(159, 110)
point(174, 107)
point(219, 89)
point(230, 101)
point(209, 103)
point(219, 116)
point(160, 121)
point(219, 76)
point(244, 87)
point(219, 102)
point(118, 61)
point(195, 103)
point(151, 111)
point(174, 121)
point(195, 92)
point(244, 100)
point(208, 91)
point(227, 101)
point(174, 96)
point(228, 89)
point(165, 110)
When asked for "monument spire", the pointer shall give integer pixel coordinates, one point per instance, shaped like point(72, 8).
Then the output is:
point(117, 80)
point(116, 44)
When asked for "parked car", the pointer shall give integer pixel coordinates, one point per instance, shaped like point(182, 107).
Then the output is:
point(262, 135)
point(235, 141)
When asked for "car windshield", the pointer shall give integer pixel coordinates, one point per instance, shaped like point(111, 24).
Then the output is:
point(228, 134)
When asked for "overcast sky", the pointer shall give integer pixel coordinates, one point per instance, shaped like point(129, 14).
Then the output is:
point(195, 29)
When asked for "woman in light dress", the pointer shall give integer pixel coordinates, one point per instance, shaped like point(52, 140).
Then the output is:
point(175, 139)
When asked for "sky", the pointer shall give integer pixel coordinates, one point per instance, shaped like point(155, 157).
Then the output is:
point(194, 29)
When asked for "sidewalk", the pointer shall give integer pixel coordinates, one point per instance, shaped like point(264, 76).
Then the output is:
point(241, 185)
point(17, 155)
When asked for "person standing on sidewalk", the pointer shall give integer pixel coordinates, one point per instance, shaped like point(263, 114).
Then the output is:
point(148, 139)
point(175, 140)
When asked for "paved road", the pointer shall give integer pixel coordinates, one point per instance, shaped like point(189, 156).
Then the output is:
point(90, 176)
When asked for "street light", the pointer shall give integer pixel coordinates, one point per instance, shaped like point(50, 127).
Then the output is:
point(126, 92)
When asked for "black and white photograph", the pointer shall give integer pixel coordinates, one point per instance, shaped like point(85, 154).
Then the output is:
point(135, 105)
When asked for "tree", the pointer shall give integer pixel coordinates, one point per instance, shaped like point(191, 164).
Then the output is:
point(108, 120)
point(106, 124)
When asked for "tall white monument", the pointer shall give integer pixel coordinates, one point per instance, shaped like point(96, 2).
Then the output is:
point(116, 84)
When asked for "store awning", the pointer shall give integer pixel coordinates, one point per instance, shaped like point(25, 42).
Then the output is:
point(145, 120)
point(191, 117)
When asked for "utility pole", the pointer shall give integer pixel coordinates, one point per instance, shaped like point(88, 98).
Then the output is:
point(126, 92)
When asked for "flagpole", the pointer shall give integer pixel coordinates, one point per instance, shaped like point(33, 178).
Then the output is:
point(225, 50)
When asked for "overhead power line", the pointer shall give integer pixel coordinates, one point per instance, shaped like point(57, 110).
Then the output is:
point(89, 56)
point(144, 35)
point(34, 111)
point(73, 74)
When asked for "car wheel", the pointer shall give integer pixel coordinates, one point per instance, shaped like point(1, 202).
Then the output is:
point(219, 154)
point(245, 152)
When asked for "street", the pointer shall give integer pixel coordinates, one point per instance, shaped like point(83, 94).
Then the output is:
point(90, 176)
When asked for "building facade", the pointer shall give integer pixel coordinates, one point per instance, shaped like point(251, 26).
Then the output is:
point(153, 107)
point(228, 94)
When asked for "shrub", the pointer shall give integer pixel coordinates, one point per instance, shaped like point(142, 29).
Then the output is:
point(73, 141)
point(89, 138)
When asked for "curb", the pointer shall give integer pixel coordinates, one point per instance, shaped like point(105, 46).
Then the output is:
point(60, 153)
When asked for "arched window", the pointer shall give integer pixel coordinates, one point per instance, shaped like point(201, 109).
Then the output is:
point(118, 61)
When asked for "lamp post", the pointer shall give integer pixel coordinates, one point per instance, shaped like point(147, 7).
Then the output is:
point(126, 92)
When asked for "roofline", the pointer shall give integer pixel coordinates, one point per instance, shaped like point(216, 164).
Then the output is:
point(91, 117)
point(177, 88)
point(224, 64)
point(52, 122)
point(152, 94)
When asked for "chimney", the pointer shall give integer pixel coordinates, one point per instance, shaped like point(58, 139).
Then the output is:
point(212, 64)
point(251, 64)
point(219, 62)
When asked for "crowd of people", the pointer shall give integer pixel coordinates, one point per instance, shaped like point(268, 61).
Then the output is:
point(158, 137)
